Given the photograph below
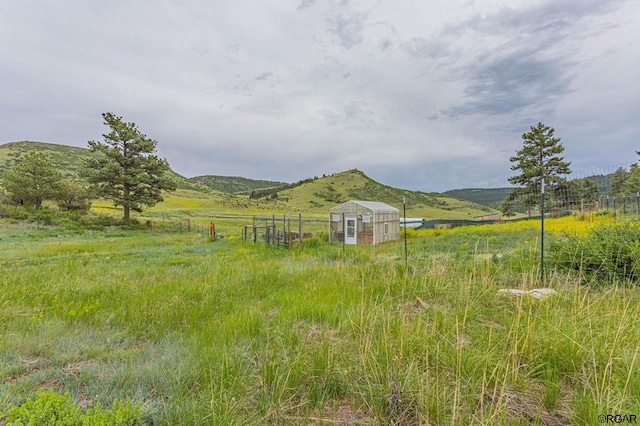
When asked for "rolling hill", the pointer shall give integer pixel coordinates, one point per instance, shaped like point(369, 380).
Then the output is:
point(67, 159)
point(326, 192)
point(229, 194)
point(236, 184)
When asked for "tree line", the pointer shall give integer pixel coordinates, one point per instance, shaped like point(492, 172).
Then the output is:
point(126, 171)
point(542, 170)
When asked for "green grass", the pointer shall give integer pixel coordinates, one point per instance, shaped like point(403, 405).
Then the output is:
point(225, 332)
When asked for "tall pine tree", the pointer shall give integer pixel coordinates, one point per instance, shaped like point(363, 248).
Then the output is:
point(538, 162)
point(127, 173)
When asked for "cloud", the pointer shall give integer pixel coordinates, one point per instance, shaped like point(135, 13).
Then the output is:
point(264, 76)
point(420, 95)
point(348, 26)
point(305, 4)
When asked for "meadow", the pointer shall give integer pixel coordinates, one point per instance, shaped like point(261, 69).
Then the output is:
point(225, 332)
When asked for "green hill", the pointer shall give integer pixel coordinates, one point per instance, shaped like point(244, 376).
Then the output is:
point(323, 193)
point(67, 159)
point(236, 184)
point(209, 194)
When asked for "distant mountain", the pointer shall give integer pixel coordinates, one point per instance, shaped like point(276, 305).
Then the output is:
point(236, 184)
point(67, 159)
point(491, 197)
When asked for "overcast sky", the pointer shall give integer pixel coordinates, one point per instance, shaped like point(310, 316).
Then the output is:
point(426, 95)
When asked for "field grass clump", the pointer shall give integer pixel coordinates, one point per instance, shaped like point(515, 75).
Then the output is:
point(195, 331)
point(608, 254)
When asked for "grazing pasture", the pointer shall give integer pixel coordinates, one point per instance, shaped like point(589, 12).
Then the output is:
point(195, 331)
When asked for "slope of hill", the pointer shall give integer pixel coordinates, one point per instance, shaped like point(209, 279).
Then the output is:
point(310, 196)
point(67, 159)
point(236, 184)
point(323, 193)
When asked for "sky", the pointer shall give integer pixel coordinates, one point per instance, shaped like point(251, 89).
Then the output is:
point(426, 95)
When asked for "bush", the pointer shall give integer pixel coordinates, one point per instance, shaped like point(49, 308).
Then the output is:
point(49, 408)
point(608, 254)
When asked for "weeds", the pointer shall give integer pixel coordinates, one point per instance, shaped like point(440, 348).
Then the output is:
point(231, 333)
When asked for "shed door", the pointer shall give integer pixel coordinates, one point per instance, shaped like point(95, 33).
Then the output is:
point(350, 230)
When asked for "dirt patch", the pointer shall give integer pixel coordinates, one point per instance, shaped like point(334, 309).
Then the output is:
point(343, 415)
point(9, 380)
point(413, 307)
point(74, 368)
point(51, 383)
point(518, 406)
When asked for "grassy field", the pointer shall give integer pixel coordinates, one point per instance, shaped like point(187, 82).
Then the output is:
point(225, 332)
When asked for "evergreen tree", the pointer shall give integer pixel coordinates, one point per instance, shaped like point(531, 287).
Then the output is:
point(73, 197)
point(32, 181)
point(618, 181)
point(538, 162)
point(632, 184)
point(508, 207)
point(127, 172)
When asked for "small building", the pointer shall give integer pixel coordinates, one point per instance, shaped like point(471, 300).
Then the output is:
point(364, 222)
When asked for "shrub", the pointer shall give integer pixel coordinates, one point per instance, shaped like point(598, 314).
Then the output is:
point(609, 253)
point(50, 408)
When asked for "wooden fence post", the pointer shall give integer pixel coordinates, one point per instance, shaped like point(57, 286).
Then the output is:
point(300, 230)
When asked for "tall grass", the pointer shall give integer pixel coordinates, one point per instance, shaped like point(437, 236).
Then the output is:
point(227, 332)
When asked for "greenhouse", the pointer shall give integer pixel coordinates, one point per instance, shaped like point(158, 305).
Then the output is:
point(364, 222)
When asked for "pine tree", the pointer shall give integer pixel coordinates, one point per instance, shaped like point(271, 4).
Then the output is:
point(127, 172)
point(33, 180)
point(539, 162)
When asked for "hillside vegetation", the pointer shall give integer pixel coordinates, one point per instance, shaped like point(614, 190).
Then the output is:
point(491, 197)
point(68, 160)
point(206, 195)
point(324, 193)
point(236, 184)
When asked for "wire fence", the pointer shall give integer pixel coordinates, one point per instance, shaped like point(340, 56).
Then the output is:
point(614, 189)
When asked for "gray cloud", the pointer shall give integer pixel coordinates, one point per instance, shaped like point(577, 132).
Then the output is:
point(350, 113)
point(264, 76)
point(529, 65)
point(305, 4)
point(507, 84)
point(426, 49)
point(347, 27)
point(416, 94)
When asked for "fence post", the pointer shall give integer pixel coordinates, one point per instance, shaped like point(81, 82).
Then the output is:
point(300, 230)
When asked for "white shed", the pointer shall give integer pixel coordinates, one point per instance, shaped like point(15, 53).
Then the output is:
point(364, 222)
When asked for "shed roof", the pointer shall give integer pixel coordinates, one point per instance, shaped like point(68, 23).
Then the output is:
point(376, 206)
